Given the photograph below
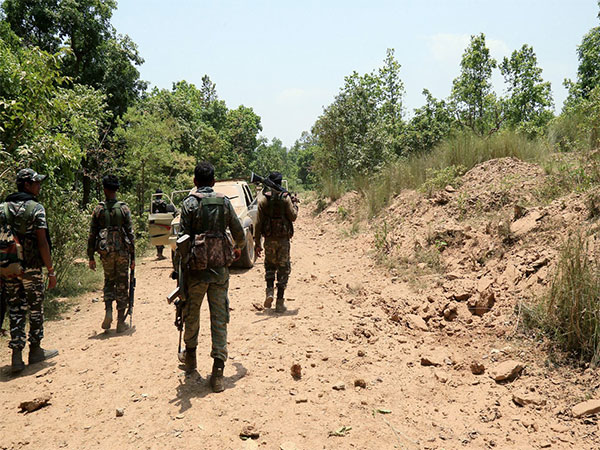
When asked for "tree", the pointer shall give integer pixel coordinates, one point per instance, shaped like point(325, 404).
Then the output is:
point(472, 97)
point(528, 105)
point(588, 72)
point(430, 125)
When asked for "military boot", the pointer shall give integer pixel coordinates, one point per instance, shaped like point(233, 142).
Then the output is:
point(269, 297)
point(279, 306)
point(107, 318)
point(38, 354)
point(216, 379)
point(121, 324)
point(190, 359)
point(17, 364)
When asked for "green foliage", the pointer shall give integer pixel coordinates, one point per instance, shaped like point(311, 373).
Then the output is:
point(429, 125)
point(529, 102)
point(569, 312)
point(437, 179)
point(588, 72)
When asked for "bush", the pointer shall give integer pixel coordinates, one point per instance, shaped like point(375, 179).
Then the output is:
point(570, 314)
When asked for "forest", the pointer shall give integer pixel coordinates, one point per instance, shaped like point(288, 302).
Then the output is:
point(73, 106)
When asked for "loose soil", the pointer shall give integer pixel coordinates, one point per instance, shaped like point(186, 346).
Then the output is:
point(361, 360)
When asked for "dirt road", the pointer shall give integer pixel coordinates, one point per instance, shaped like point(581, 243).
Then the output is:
point(337, 329)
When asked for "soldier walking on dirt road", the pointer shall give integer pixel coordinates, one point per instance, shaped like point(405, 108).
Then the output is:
point(276, 214)
point(159, 206)
point(205, 217)
point(111, 235)
point(23, 216)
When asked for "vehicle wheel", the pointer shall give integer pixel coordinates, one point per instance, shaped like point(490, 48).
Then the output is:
point(247, 259)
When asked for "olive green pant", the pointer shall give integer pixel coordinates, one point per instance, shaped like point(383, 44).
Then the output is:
point(215, 288)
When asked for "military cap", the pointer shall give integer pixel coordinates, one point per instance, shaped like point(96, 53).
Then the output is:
point(110, 182)
point(29, 175)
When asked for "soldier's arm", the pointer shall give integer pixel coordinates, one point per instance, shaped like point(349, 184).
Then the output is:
point(235, 226)
point(260, 217)
point(92, 237)
point(185, 223)
point(128, 229)
point(291, 209)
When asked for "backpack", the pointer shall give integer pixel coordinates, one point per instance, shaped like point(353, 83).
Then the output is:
point(277, 224)
point(110, 238)
point(211, 248)
point(11, 249)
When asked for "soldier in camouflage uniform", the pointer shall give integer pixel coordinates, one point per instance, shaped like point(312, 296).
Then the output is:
point(276, 214)
point(212, 281)
point(159, 206)
point(111, 235)
point(27, 293)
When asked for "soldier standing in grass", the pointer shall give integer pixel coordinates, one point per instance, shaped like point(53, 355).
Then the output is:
point(205, 218)
point(276, 214)
point(26, 217)
point(111, 235)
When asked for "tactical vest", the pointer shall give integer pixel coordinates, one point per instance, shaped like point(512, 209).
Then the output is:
point(277, 225)
point(18, 249)
point(212, 247)
point(111, 238)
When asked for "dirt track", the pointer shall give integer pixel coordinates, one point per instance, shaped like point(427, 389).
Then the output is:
point(336, 329)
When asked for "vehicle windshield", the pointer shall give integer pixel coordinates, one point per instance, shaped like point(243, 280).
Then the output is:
point(233, 193)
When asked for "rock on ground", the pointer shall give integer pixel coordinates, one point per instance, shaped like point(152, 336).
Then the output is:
point(507, 370)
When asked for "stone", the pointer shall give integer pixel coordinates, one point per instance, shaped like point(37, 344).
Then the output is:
point(507, 370)
point(432, 360)
point(360, 383)
point(288, 446)
point(339, 386)
point(296, 371)
point(461, 296)
point(450, 189)
point(525, 224)
point(586, 408)
point(483, 304)
point(361, 353)
point(450, 313)
point(477, 368)
point(249, 432)
point(528, 398)
point(415, 322)
point(34, 405)
point(442, 377)
point(120, 412)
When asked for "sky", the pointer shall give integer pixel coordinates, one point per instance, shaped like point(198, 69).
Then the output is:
point(288, 59)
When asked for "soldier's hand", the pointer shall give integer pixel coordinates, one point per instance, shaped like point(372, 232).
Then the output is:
point(237, 253)
point(92, 264)
point(132, 265)
point(258, 250)
point(51, 282)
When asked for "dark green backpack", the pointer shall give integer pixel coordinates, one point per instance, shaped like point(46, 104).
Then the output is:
point(110, 238)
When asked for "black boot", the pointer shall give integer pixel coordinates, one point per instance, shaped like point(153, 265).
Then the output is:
point(17, 364)
point(121, 324)
point(216, 379)
point(279, 306)
point(38, 354)
point(190, 359)
point(106, 323)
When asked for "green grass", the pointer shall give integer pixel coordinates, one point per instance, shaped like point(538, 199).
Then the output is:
point(569, 313)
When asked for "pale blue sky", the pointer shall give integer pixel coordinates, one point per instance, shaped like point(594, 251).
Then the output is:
point(288, 60)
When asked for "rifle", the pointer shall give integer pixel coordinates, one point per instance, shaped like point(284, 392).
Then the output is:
point(3, 308)
point(256, 179)
point(131, 296)
point(179, 295)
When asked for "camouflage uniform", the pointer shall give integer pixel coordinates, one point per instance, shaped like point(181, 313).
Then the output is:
point(27, 293)
point(115, 263)
point(277, 247)
point(213, 281)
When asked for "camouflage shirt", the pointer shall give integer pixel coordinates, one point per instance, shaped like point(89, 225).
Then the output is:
point(99, 222)
point(191, 218)
point(290, 210)
point(35, 221)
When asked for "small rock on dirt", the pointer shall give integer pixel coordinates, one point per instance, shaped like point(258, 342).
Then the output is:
point(507, 370)
point(431, 360)
point(586, 408)
point(360, 383)
point(450, 313)
point(288, 446)
point(415, 322)
point(442, 377)
point(258, 306)
point(528, 398)
point(483, 304)
point(477, 368)
point(296, 371)
point(339, 386)
point(249, 432)
point(361, 353)
point(120, 412)
point(34, 405)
